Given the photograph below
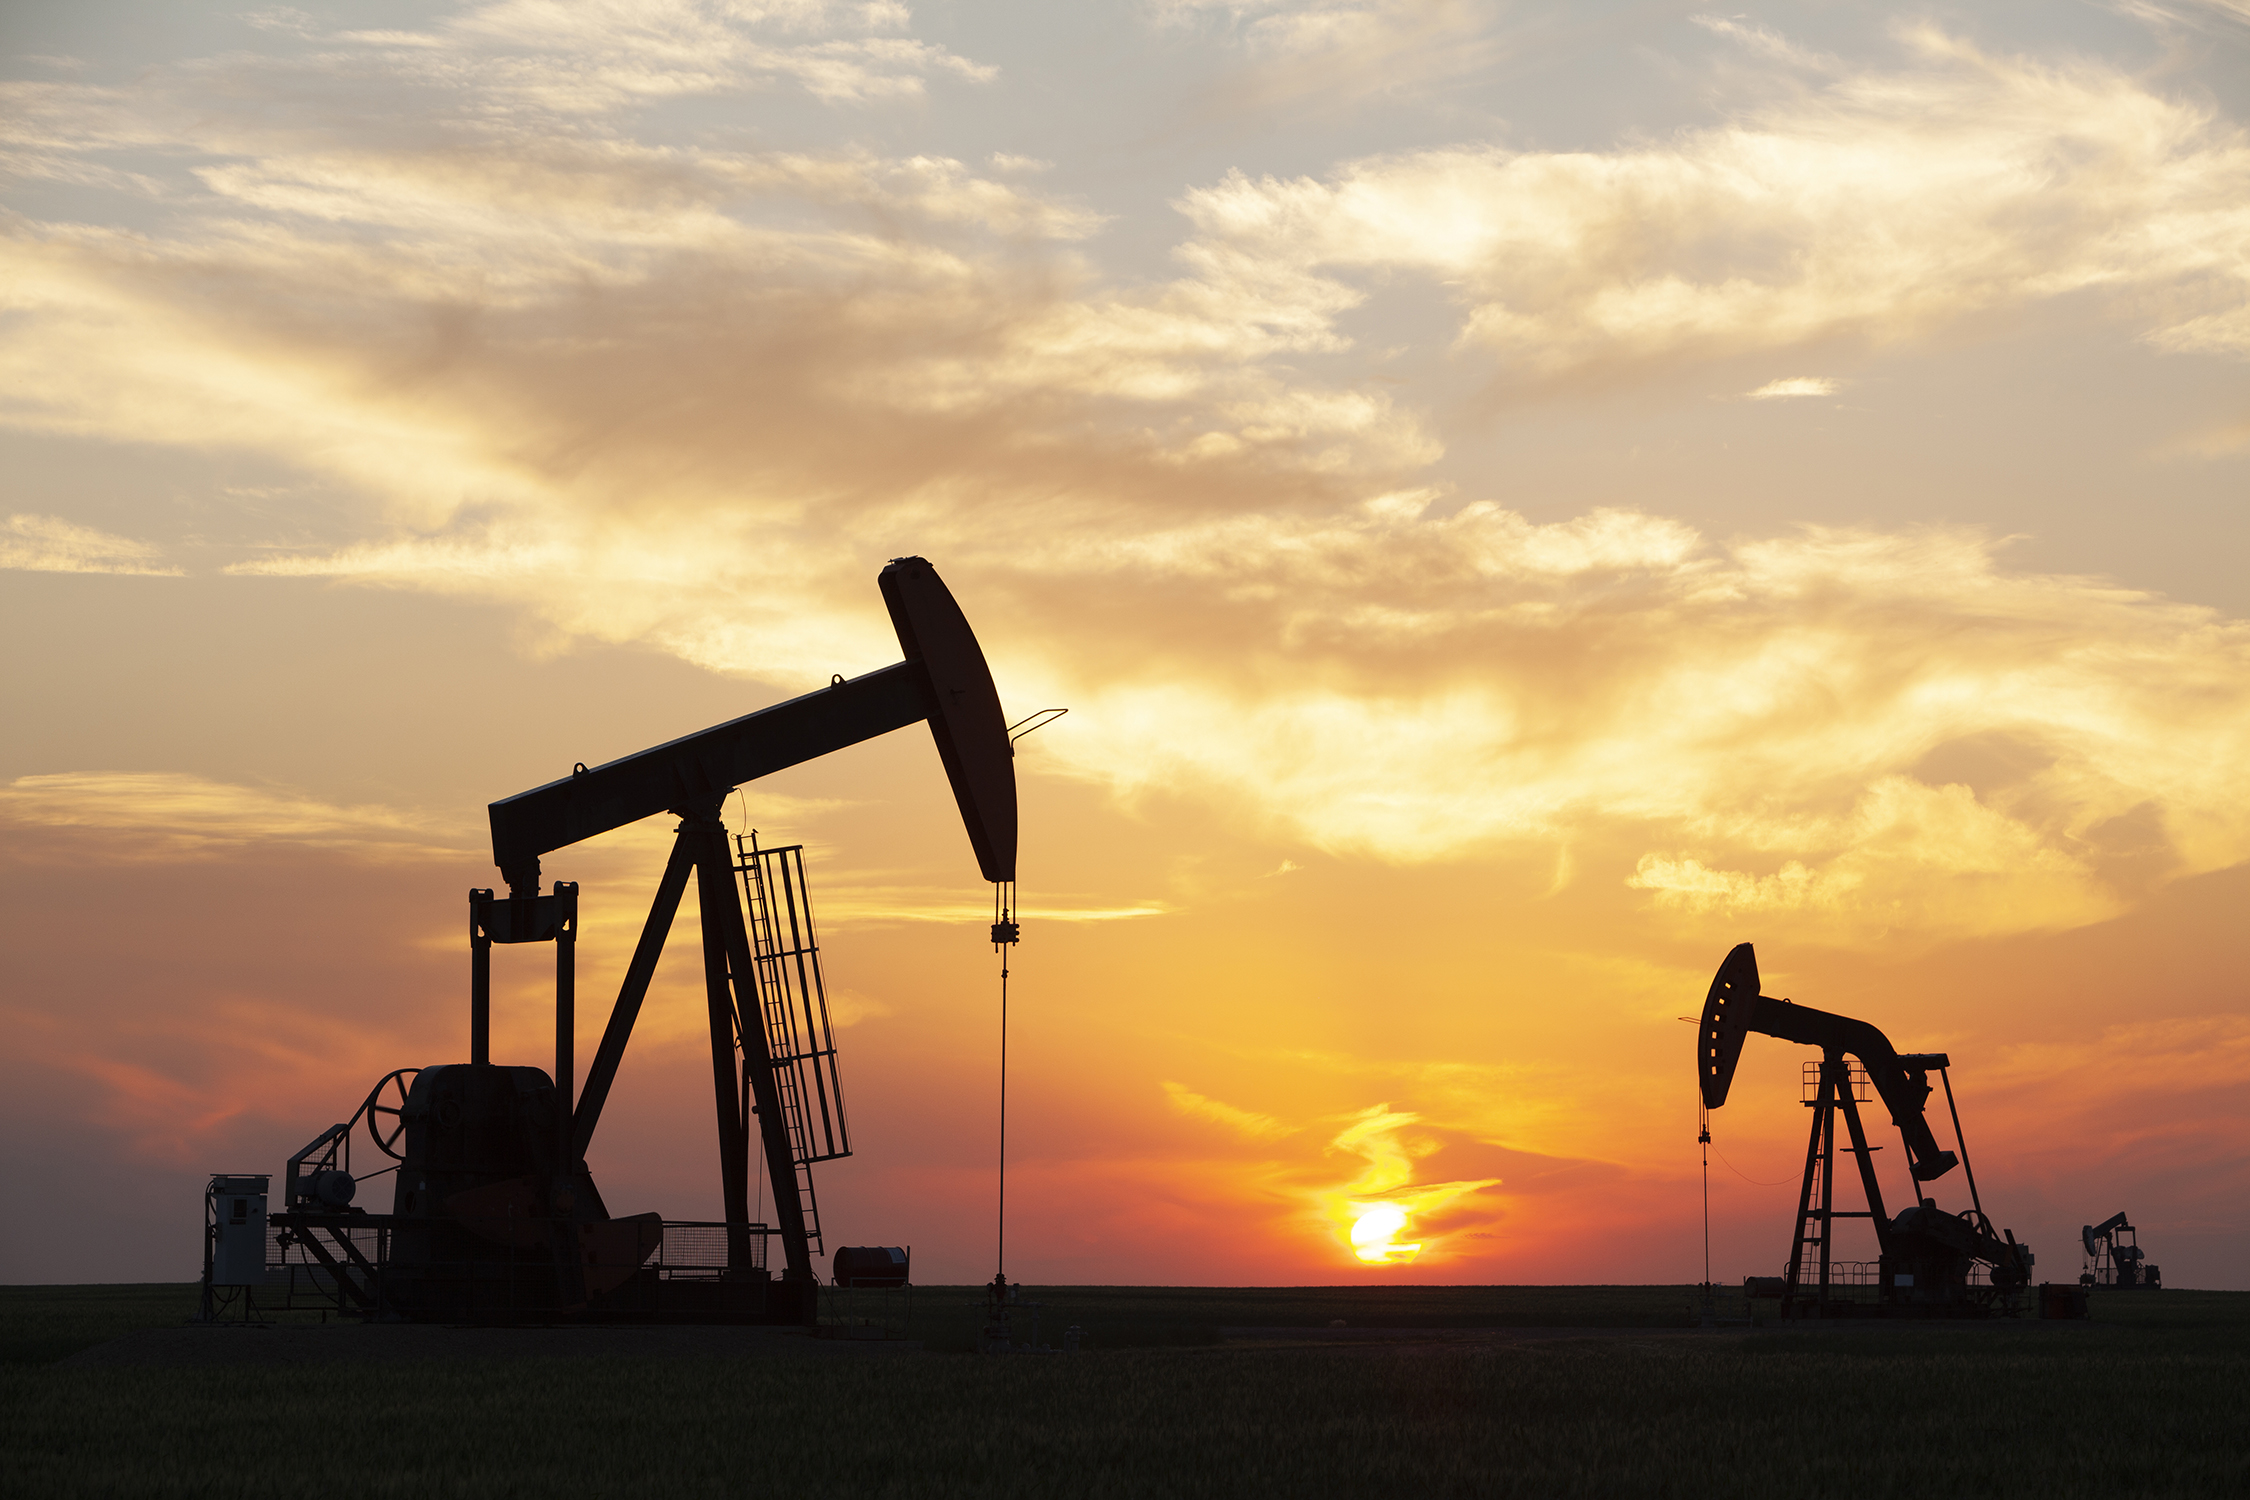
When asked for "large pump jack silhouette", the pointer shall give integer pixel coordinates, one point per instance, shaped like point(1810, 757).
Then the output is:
point(495, 1214)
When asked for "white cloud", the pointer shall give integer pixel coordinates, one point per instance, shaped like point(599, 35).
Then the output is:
point(1887, 205)
point(1794, 385)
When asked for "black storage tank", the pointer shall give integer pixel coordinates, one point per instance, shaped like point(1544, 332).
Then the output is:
point(869, 1265)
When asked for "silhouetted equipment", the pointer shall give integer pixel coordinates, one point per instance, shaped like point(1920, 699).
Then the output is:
point(494, 1214)
point(869, 1265)
point(1932, 1263)
point(1011, 1325)
point(2114, 1257)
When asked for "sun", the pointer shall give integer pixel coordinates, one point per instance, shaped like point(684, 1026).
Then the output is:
point(1375, 1235)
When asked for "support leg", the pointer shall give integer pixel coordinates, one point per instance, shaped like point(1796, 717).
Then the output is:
point(480, 981)
point(1834, 1080)
point(734, 1174)
point(1877, 1215)
point(723, 917)
point(1792, 1290)
point(566, 1022)
point(1867, 1180)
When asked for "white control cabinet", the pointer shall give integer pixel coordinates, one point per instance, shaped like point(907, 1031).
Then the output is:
point(237, 1215)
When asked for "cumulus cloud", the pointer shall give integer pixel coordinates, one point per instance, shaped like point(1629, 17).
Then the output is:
point(1872, 731)
point(466, 303)
point(485, 307)
point(1908, 858)
point(1885, 205)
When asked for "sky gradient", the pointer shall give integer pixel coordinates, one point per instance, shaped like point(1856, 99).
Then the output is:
point(1516, 500)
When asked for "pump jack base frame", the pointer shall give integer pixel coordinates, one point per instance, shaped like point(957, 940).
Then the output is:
point(1837, 1288)
point(340, 1265)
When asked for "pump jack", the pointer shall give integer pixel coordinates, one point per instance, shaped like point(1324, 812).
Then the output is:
point(2114, 1257)
point(1927, 1254)
point(495, 1215)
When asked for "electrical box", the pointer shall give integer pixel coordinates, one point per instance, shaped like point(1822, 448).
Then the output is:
point(235, 1208)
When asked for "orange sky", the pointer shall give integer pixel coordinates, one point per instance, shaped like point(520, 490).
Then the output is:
point(1516, 501)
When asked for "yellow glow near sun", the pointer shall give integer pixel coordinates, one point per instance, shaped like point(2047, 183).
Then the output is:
point(1375, 1235)
point(1376, 1224)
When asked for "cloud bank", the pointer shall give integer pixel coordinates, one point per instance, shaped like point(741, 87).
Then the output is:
point(652, 384)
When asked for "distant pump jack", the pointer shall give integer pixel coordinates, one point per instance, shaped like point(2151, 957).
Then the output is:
point(2114, 1257)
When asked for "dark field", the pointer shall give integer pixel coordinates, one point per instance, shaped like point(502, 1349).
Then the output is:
point(1619, 1398)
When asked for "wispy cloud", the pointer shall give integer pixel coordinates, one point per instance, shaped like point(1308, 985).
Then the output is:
point(589, 57)
point(1248, 1123)
point(1792, 386)
point(1293, 52)
point(2200, 14)
point(50, 544)
point(173, 815)
point(1768, 43)
point(858, 904)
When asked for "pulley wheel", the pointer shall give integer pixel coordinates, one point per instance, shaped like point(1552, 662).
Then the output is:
point(386, 1112)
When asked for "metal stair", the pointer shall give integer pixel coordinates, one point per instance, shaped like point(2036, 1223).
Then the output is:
point(793, 1006)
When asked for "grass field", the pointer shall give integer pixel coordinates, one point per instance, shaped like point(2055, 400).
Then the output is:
point(2149, 1399)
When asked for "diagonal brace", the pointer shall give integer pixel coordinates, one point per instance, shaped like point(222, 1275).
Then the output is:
point(638, 974)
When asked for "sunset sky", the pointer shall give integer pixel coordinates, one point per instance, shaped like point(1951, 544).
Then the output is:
point(1516, 499)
